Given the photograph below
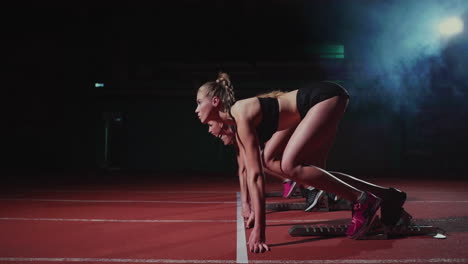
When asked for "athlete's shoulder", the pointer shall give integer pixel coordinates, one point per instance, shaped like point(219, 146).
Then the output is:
point(245, 108)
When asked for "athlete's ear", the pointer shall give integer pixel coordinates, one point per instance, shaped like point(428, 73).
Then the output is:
point(215, 101)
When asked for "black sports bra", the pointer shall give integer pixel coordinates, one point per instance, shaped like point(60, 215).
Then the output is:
point(270, 117)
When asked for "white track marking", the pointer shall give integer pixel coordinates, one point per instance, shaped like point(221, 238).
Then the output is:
point(287, 221)
point(193, 192)
point(361, 261)
point(241, 252)
point(153, 220)
point(116, 201)
point(436, 202)
point(114, 220)
point(212, 261)
point(133, 191)
point(176, 202)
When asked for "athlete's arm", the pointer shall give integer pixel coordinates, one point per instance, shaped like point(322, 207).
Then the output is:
point(248, 144)
point(242, 171)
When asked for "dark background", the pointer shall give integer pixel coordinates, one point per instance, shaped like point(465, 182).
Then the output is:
point(408, 110)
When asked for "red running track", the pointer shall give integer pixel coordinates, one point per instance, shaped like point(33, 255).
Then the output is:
point(148, 222)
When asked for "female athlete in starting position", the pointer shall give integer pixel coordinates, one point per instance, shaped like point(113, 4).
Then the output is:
point(301, 126)
point(227, 135)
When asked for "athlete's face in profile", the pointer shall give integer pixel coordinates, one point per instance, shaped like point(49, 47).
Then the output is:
point(221, 131)
point(227, 140)
point(205, 106)
point(215, 128)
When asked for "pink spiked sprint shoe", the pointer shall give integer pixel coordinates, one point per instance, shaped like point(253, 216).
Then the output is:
point(364, 211)
point(288, 188)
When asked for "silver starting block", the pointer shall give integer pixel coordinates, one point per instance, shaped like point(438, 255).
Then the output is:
point(405, 227)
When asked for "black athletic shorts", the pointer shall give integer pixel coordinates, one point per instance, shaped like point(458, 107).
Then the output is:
point(316, 92)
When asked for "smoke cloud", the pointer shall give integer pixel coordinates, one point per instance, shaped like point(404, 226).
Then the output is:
point(398, 56)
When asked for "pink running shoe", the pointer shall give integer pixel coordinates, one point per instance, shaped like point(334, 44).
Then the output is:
point(288, 188)
point(364, 212)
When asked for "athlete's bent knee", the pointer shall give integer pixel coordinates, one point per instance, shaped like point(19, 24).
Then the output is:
point(268, 163)
point(290, 169)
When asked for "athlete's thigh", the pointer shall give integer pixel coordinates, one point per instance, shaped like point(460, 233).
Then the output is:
point(275, 146)
point(314, 135)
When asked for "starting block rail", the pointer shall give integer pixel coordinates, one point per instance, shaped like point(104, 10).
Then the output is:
point(405, 227)
point(325, 204)
point(285, 206)
point(280, 194)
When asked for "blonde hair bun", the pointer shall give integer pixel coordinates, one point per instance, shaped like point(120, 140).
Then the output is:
point(222, 88)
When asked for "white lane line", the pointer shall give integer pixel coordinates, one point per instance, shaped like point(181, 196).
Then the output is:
point(286, 221)
point(114, 220)
point(436, 202)
point(241, 252)
point(129, 191)
point(298, 220)
point(196, 192)
point(101, 260)
point(212, 261)
point(446, 192)
point(153, 220)
point(175, 202)
point(361, 261)
point(116, 201)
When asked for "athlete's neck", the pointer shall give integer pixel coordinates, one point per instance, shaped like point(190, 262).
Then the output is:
point(226, 118)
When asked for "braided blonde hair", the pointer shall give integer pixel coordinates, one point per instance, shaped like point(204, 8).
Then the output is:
point(221, 88)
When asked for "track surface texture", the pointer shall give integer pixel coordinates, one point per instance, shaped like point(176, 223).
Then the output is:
point(192, 219)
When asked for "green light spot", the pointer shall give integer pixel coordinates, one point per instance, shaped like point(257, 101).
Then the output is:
point(327, 51)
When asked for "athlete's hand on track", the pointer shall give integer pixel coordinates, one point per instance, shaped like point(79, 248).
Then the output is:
point(256, 244)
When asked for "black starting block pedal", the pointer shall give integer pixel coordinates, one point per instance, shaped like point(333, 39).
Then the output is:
point(296, 194)
point(325, 204)
point(318, 230)
point(284, 206)
point(405, 227)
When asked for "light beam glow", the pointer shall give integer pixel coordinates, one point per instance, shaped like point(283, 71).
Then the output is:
point(451, 26)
